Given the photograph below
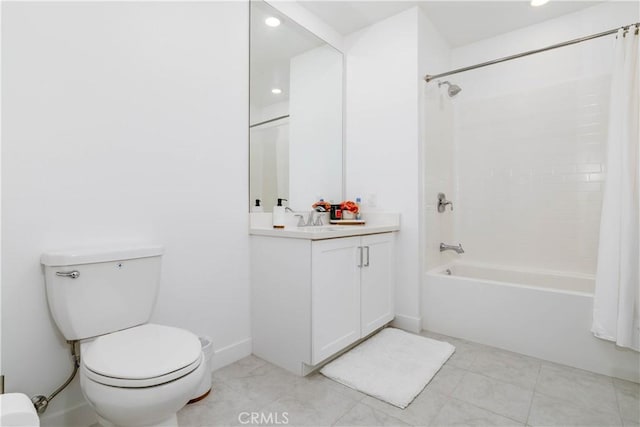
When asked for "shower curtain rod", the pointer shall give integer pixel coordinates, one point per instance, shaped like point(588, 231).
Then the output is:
point(430, 77)
point(268, 121)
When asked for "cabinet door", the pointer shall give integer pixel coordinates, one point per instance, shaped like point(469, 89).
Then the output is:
point(378, 281)
point(335, 296)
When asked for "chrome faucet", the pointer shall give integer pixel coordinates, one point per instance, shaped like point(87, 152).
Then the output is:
point(458, 249)
point(300, 220)
point(312, 220)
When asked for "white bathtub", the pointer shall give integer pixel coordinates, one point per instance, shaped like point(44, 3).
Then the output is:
point(540, 314)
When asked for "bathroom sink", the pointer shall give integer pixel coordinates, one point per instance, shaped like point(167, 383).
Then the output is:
point(321, 232)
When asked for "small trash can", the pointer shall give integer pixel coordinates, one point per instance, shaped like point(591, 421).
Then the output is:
point(205, 385)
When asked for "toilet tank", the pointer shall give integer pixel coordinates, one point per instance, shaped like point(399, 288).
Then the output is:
point(93, 292)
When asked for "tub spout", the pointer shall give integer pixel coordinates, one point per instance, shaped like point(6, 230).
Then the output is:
point(458, 249)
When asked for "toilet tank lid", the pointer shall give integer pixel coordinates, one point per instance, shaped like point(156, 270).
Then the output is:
point(102, 254)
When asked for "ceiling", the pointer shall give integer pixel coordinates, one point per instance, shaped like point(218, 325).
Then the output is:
point(460, 22)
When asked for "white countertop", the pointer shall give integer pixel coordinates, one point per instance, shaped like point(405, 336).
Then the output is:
point(375, 223)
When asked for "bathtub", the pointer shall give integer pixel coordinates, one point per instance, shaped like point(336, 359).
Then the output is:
point(540, 314)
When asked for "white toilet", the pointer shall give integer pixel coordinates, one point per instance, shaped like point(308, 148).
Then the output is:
point(132, 372)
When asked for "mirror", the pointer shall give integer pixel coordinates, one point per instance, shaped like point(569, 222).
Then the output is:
point(295, 138)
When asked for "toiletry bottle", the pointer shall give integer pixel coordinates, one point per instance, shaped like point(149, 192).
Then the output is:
point(359, 203)
point(257, 207)
point(336, 212)
point(278, 215)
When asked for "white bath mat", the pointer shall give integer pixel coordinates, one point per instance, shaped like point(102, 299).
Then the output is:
point(393, 365)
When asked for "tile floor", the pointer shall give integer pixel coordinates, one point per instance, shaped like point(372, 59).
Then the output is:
point(478, 386)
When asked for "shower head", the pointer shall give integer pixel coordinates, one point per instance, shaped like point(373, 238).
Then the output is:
point(453, 89)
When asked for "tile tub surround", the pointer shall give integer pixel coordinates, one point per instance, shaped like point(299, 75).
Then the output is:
point(542, 167)
point(479, 385)
point(529, 138)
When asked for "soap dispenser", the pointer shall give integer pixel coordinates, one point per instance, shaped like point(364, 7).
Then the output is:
point(278, 214)
point(257, 207)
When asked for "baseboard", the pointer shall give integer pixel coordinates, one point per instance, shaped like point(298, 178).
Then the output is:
point(81, 415)
point(408, 323)
point(231, 353)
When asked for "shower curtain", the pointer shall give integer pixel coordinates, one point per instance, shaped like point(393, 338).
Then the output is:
point(616, 307)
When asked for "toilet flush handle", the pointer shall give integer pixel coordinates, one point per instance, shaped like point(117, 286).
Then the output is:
point(73, 274)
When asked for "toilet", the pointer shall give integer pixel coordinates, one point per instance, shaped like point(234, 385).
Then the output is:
point(133, 373)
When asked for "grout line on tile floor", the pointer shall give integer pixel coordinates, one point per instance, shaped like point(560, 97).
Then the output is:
point(448, 398)
point(468, 371)
point(489, 410)
point(346, 412)
point(615, 392)
point(533, 394)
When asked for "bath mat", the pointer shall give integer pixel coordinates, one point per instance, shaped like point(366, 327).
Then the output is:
point(393, 365)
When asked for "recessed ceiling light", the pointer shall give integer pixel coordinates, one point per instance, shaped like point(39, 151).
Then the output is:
point(536, 3)
point(272, 21)
point(276, 91)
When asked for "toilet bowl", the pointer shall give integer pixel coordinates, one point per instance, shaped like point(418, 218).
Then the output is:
point(141, 376)
point(133, 373)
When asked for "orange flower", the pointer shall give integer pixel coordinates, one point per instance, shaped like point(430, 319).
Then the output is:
point(325, 205)
point(349, 206)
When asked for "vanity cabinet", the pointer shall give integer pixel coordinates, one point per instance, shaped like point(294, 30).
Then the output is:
point(313, 298)
point(351, 291)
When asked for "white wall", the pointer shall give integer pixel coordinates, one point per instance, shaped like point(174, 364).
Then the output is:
point(124, 122)
point(382, 139)
point(530, 136)
point(436, 119)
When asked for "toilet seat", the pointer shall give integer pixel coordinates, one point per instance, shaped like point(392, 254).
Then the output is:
point(141, 383)
point(142, 356)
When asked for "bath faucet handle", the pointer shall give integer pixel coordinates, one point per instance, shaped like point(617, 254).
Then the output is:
point(443, 202)
point(457, 249)
point(300, 220)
